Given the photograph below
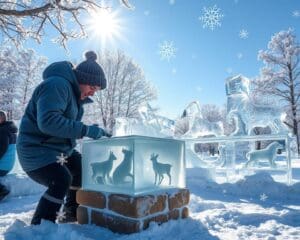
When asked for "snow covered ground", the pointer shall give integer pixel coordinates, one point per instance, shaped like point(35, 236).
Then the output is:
point(255, 207)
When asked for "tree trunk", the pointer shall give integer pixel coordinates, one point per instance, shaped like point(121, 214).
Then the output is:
point(294, 107)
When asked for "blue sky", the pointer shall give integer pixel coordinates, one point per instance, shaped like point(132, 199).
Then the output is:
point(204, 58)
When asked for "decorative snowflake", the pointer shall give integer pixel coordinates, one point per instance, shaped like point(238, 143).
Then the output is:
point(263, 197)
point(244, 34)
point(60, 216)
point(61, 159)
point(296, 14)
point(211, 17)
point(239, 55)
point(167, 50)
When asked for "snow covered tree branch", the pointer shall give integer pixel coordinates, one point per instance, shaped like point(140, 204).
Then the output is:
point(280, 77)
point(23, 19)
point(20, 73)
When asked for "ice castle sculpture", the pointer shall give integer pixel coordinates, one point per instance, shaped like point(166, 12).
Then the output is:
point(245, 114)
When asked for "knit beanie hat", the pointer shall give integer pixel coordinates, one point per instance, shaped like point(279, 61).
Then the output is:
point(89, 71)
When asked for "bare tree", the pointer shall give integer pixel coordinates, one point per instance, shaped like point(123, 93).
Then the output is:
point(280, 77)
point(22, 19)
point(20, 73)
point(30, 68)
point(211, 112)
point(127, 90)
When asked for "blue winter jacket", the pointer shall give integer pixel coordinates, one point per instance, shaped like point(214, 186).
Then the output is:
point(52, 120)
point(8, 134)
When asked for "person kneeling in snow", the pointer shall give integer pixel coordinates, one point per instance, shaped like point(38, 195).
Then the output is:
point(8, 134)
point(49, 129)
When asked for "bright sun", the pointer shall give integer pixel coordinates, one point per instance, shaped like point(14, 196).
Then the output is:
point(105, 25)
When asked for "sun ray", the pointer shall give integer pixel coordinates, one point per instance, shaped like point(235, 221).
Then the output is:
point(105, 25)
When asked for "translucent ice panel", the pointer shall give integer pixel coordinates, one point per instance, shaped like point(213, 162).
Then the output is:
point(133, 164)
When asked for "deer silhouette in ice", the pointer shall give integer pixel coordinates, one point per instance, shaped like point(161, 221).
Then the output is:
point(124, 169)
point(101, 170)
point(160, 169)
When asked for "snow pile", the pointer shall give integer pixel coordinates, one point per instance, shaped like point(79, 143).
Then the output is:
point(21, 185)
point(252, 187)
point(255, 207)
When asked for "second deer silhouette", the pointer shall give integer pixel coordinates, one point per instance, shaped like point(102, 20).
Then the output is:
point(101, 170)
point(160, 169)
point(124, 169)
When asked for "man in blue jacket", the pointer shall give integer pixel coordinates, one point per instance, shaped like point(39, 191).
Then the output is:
point(49, 129)
point(8, 134)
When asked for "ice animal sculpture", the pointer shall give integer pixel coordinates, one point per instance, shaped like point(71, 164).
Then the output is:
point(160, 169)
point(101, 170)
point(146, 124)
point(247, 115)
point(267, 154)
point(200, 127)
point(124, 169)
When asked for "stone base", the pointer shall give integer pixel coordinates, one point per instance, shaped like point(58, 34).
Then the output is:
point(128, 214)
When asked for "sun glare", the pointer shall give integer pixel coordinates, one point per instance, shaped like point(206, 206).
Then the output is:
point(105, 25)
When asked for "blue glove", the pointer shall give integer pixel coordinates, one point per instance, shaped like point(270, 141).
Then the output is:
point(95, 132)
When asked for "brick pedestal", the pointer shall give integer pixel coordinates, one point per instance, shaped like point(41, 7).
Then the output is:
point(128, 214)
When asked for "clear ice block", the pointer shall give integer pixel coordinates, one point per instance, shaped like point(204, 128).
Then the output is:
point(133, 164)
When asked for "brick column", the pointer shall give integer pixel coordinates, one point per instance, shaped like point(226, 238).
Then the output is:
point(128, 214)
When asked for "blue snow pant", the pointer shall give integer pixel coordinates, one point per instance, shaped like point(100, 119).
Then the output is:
point(61, 181)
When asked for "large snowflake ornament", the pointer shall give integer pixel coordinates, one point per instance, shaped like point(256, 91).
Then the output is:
point(167, 50)
point(211, 17)
point(263, 197)
point(244, 34)
point(62, 159)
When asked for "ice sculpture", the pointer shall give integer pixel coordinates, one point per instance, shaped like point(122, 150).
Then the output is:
point(198, 126)
point(160, 169)
point(247, 115)
point(126, 166)
point(267, 154)
point(147, 124)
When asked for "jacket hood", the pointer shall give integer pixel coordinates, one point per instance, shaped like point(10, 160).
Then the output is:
point(9, 126)
point(64, 70)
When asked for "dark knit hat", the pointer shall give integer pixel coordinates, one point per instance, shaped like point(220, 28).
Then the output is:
point(89, 71)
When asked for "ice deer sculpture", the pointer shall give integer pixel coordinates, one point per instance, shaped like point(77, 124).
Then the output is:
point(160, 169)
point(124, 169)
point(101, 170)
point(247, 115)
point(269, 153)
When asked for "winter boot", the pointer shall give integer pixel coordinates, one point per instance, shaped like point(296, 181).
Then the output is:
point(70, 208)
point(46, 210)
point(3, 191)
